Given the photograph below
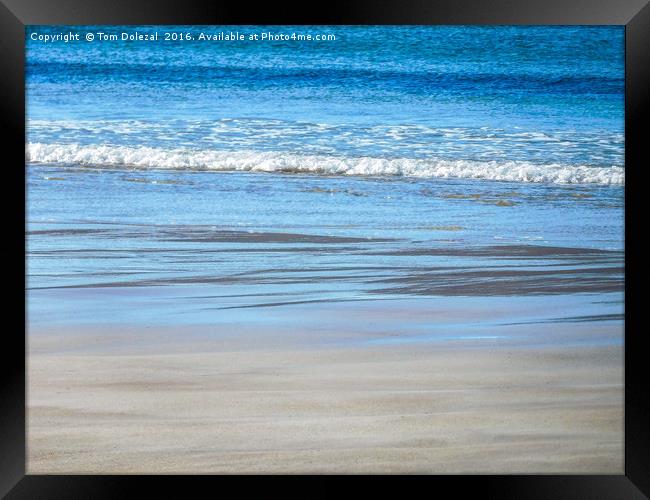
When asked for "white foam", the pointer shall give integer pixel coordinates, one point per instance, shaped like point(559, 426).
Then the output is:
point(255, 161)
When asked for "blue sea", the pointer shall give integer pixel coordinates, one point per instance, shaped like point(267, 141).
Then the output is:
point(474, 163)
point(532, 104)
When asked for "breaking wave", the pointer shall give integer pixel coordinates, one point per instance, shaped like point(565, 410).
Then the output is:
point(254, 161)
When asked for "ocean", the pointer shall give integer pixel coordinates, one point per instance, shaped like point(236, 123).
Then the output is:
point(531, 104)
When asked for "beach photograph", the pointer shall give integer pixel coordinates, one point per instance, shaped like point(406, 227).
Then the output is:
point(325, 249)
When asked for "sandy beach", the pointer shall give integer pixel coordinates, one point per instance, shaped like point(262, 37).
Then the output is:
point(260, 406)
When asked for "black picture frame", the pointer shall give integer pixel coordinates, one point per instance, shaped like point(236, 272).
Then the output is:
point(15, 14)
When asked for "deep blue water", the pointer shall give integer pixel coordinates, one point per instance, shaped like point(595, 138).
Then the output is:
point(505, 103)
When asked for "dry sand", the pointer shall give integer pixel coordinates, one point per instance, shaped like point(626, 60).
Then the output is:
point(418, 408)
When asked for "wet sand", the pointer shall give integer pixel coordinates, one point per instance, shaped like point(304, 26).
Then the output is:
point(265, 406)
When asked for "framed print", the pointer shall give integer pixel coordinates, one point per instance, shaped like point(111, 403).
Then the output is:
point(376, 239)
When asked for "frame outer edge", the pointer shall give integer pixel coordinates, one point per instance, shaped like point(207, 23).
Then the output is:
point(12, 367)
point(553, 12)
point(12, 412)
point(637, 110)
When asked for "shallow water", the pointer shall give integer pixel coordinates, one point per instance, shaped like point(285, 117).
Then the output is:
point(202, 248)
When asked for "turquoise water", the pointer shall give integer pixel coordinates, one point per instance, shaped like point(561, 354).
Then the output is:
point(184, 182)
